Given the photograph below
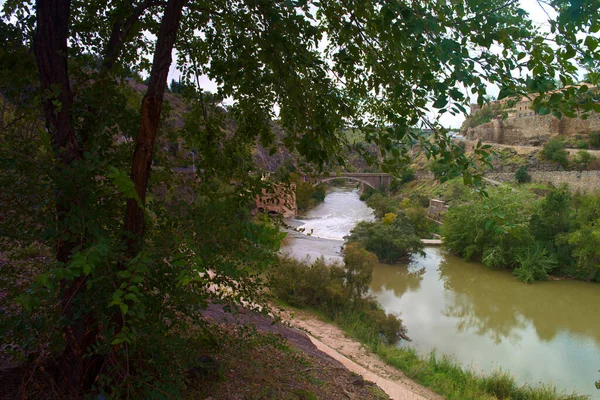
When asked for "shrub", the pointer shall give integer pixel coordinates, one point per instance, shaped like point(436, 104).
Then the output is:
point(584, 236)
point(491, 229)
point(368, 192)
point(307, 194)
point(555, 151)
point(595, 139)
point(336, 290)
point(534, 263)
point(582, 160)
point(382, 205)
point(320, 192)
point(358, 267)
point(308, 284)
point(417, 216)
point(522, 175)
point(408, 174)
point(551, 221)
point(389, 241)
point(443, 169)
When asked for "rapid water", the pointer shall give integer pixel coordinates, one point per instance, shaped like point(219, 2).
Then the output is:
point(486, 319)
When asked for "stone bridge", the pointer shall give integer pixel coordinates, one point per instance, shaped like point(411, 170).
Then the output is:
point(375, 180)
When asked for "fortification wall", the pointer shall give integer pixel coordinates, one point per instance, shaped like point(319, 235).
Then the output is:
point(532, 130)
point(586, 181)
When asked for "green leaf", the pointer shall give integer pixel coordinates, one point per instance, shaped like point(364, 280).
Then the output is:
point(43, 279)
point(132, 297)
point(591, 43)
point(125, 274)
point(440, 102)
point(124, 184)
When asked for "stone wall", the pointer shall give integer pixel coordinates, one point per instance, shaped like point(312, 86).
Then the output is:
point(280, 199)
point(586, 181)
point(533, 130)
point(436, 210)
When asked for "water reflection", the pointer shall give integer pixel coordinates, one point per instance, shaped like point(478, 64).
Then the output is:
point(399, 278)
point(495, 303)
point(479, 303)
point(546, 332)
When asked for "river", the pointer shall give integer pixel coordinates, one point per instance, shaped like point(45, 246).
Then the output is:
point(486, 319)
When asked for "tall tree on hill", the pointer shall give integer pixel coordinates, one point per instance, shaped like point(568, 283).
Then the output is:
point(377, 66)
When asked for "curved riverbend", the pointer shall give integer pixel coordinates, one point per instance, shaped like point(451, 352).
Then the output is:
point(545, 332)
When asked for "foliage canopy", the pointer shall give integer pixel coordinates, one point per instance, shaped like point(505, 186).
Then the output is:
point(133, 238)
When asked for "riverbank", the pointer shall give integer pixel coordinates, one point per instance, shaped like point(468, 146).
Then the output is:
point(429, 377)
point(395, 383)
point(484, 318)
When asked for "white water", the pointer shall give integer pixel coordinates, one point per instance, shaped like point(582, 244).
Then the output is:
point(337, 215)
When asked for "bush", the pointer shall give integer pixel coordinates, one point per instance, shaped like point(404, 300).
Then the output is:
point(551, 221)
point(358, 267)
point(382, 205)
point(534, 264)
point(555, 151)
point(336, 290)
point(320, 192)
point(417, 216)
point(390, 241)
point(595, 139)
point(307, 194)
point(584, 236)
point(522, 175)
point(368, 192)
point(408, 175)
point(491, 229)
point(582, 160)
point(442, 169)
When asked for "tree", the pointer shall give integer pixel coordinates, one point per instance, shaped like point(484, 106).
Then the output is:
point(582, 160)
point(390, 240)
point(555, 151)
point(522, 175)
point(383, 66)
point(358, 270)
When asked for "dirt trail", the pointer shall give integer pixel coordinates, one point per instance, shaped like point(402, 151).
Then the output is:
point(391, 380)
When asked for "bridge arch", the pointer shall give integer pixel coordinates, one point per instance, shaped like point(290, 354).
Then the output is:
point(331, 178)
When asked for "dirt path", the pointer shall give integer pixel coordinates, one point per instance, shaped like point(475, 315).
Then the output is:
point(333, 341)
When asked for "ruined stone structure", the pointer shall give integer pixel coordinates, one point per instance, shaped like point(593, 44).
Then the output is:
point(586, 181)
point(532, 130)
point(522, 125)
point(280, 200)
point(436, 210)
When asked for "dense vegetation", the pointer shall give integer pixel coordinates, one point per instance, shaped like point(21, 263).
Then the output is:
point(336, 290)
point(532, 236)
point(391, 239)
point(111, 240)
point(554, 150)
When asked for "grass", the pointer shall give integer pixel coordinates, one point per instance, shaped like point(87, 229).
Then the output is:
point(442, 374)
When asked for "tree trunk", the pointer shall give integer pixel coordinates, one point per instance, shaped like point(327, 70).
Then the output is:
point(151, 107)
point(50, 46)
